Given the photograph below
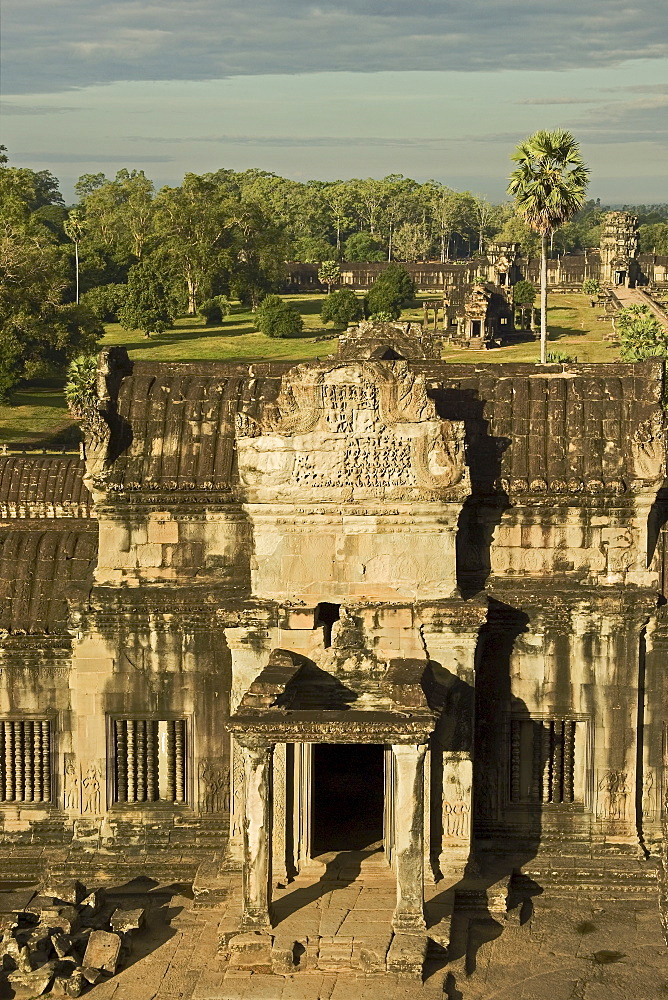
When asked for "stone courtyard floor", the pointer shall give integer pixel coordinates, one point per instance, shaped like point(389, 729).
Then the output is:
point(561, 943)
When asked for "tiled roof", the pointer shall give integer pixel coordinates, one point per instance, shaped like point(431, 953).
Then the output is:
point(572, 424)
point(180, 418)
point(43, 486)
point(39, 568)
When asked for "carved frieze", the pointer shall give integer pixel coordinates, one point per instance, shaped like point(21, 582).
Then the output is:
point(343, 431)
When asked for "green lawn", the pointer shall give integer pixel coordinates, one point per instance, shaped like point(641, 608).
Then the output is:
point(38, 415)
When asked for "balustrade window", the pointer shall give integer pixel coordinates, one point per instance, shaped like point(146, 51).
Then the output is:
point(150, 760)
point(547, 760)
point(25, 760)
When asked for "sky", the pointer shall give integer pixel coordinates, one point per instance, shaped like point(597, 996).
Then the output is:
point(439, 89)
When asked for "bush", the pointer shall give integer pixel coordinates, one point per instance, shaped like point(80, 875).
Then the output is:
point(591, 286)
point(399, 280)
point(383, 317)
point(214, 310)
point(341, 308)
point(81, 385)
point(560, 358)
point(276, 318)
point(641, 335)
point(105, 301)
point(384, 299)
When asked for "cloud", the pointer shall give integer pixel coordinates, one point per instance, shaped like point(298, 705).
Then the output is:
point(7, 108)
point(86, 157)
point(327, 141)
point(558, 101)
point(53, 45)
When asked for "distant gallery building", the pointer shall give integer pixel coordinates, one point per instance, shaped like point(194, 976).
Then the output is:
point(276, 611)
point(477, 305)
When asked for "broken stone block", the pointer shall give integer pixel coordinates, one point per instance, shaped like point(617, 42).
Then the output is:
point(62, 944)
point(76, 983)
point(102, 951)
point(93, 903)
point(288, 954)
point(62, 918)
point(92, 976)
point(39, 939)
point(8, 921)
point(39, 903)
point(38, 981)
point(124, 921)
point(67, 890)
point(407, 953)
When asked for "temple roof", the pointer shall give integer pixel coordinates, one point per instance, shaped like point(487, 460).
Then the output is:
point(43, 486)
point(39, 569)
point(565, 428)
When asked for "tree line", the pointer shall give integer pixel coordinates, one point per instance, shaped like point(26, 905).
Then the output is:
point(125, 247)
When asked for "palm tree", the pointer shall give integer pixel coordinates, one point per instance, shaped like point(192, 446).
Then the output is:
point(549, 186)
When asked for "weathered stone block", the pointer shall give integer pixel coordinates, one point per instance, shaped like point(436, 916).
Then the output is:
point(250, 949)
point(373, 952)
point(102, 951)
point(125, 921)
point(407, 953)
point(67, 890)
point(162, 528)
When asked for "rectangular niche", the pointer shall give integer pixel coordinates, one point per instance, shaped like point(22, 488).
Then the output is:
point(548, 761)
point(149, 760)
point(25, 760)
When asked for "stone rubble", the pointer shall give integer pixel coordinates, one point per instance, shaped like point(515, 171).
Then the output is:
point(65, 939)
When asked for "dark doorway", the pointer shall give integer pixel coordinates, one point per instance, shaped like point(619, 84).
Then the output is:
point(475, 328)
point(348, 796)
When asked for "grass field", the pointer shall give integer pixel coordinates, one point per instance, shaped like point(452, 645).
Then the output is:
point(38, 416)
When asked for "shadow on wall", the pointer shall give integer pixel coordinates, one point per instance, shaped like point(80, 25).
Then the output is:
point(506, 833)
point(483, 510)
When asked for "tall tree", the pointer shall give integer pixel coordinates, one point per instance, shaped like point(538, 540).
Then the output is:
point(74, 228)
point(548, 185)
point(192, 223)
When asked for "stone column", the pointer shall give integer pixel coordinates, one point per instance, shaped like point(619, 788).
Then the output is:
point(409, 837)
point(257, 807)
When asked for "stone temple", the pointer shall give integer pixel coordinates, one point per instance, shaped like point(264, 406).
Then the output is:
point(374, 603)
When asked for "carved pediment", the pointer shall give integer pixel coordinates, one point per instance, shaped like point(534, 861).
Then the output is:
point(348, 430)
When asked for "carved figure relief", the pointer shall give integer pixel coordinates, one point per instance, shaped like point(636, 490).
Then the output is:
point(214, 786)
point(90, 791)
point(72, 784)
point(348, 429)
point(648, 797)
point(456, 812)
point(612, 796)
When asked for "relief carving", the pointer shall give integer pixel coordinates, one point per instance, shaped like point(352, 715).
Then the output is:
point(648, 448)
point(612, 796)
point(214, 786)
point(456, 813)
point(348, 428)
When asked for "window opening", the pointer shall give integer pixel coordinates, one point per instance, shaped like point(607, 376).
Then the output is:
point(25, 760)
point(326, 614)
point(543, 760)
point(149, 760)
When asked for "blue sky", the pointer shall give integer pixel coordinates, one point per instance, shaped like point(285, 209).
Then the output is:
point(436, 88)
